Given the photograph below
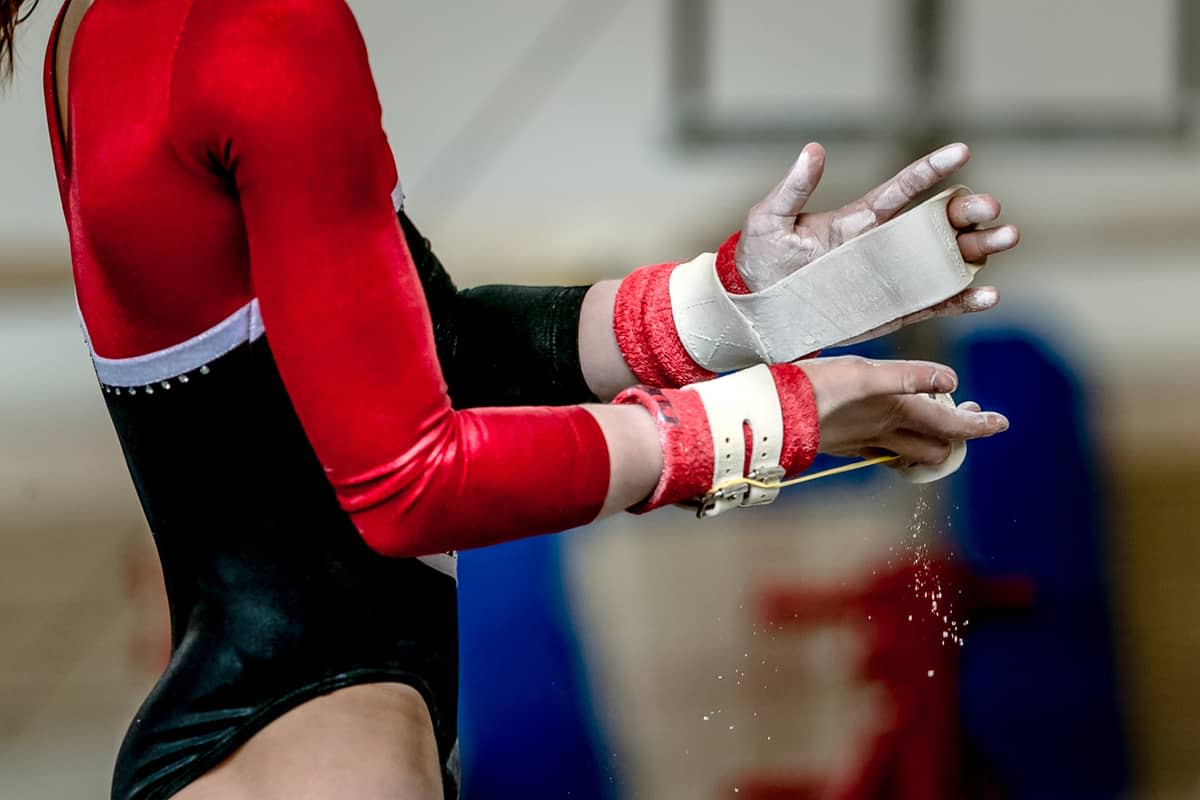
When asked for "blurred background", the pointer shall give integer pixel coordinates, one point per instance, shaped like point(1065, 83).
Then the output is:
point(1025, 630)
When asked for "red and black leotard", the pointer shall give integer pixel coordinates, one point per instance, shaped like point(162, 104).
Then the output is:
point(259, 329)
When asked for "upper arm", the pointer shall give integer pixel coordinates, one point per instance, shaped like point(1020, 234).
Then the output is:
point(279, 94)
point(280, 97)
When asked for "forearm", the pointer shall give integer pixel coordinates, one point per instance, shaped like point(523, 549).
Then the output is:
point(504, 474)
point(603, 367)
point(647, 329)
point(515, 345)
point(504, 345)
point(634, 454)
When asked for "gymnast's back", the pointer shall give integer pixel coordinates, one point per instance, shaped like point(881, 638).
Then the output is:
point(176, 149)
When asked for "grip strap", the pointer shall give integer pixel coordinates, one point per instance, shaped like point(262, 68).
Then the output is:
point(907, 264)
point(743, 411)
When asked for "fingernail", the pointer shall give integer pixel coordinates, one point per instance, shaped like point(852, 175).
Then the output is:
point(1001, 422)
point(981, 299)
point(948, 158)
point(945, 382)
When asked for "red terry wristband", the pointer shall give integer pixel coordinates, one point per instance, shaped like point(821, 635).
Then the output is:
point(727, 269)
point(801, 423)
point(646, 334)
point(686, 443)
point(686, 437)
point(645, 325)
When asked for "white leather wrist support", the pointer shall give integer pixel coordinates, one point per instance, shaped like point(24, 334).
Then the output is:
point(905, 265)
point(747, 399)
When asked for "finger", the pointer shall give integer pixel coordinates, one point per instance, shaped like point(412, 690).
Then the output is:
point(888, 199)
point(970, 405)
point(841, 381)
point(980, 298)
point(916, 448)
point(978, 245)
point(789, 197)
point(969, 301)
point(879, 378)
point(925, 415)
point(973, 209)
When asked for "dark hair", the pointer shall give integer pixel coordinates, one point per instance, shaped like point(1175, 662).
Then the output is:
point(10, 18)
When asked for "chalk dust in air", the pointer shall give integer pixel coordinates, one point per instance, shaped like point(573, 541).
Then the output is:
point(921, 547)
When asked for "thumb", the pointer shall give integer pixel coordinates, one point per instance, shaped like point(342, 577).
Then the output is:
point(788, 198)
point(843, 379)
point(878, 378)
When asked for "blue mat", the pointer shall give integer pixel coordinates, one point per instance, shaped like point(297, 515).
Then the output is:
point(1040, 698)
point(526, 722)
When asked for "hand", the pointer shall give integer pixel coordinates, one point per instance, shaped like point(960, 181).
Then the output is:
point(778, 238)
point(869, 408)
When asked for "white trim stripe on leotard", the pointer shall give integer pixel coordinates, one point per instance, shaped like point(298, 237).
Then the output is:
point(445, 563)
point(241, 327)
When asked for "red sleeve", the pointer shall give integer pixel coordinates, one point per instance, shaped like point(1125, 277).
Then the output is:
point(279, 95)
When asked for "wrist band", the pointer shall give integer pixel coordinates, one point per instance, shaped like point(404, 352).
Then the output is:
point(646, 334)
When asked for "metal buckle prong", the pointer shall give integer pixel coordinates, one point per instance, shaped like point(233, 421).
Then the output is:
point(708, 502)
point(772, 474)
point(741, 492)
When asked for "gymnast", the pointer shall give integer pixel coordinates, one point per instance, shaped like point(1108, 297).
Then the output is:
point(316, 419)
